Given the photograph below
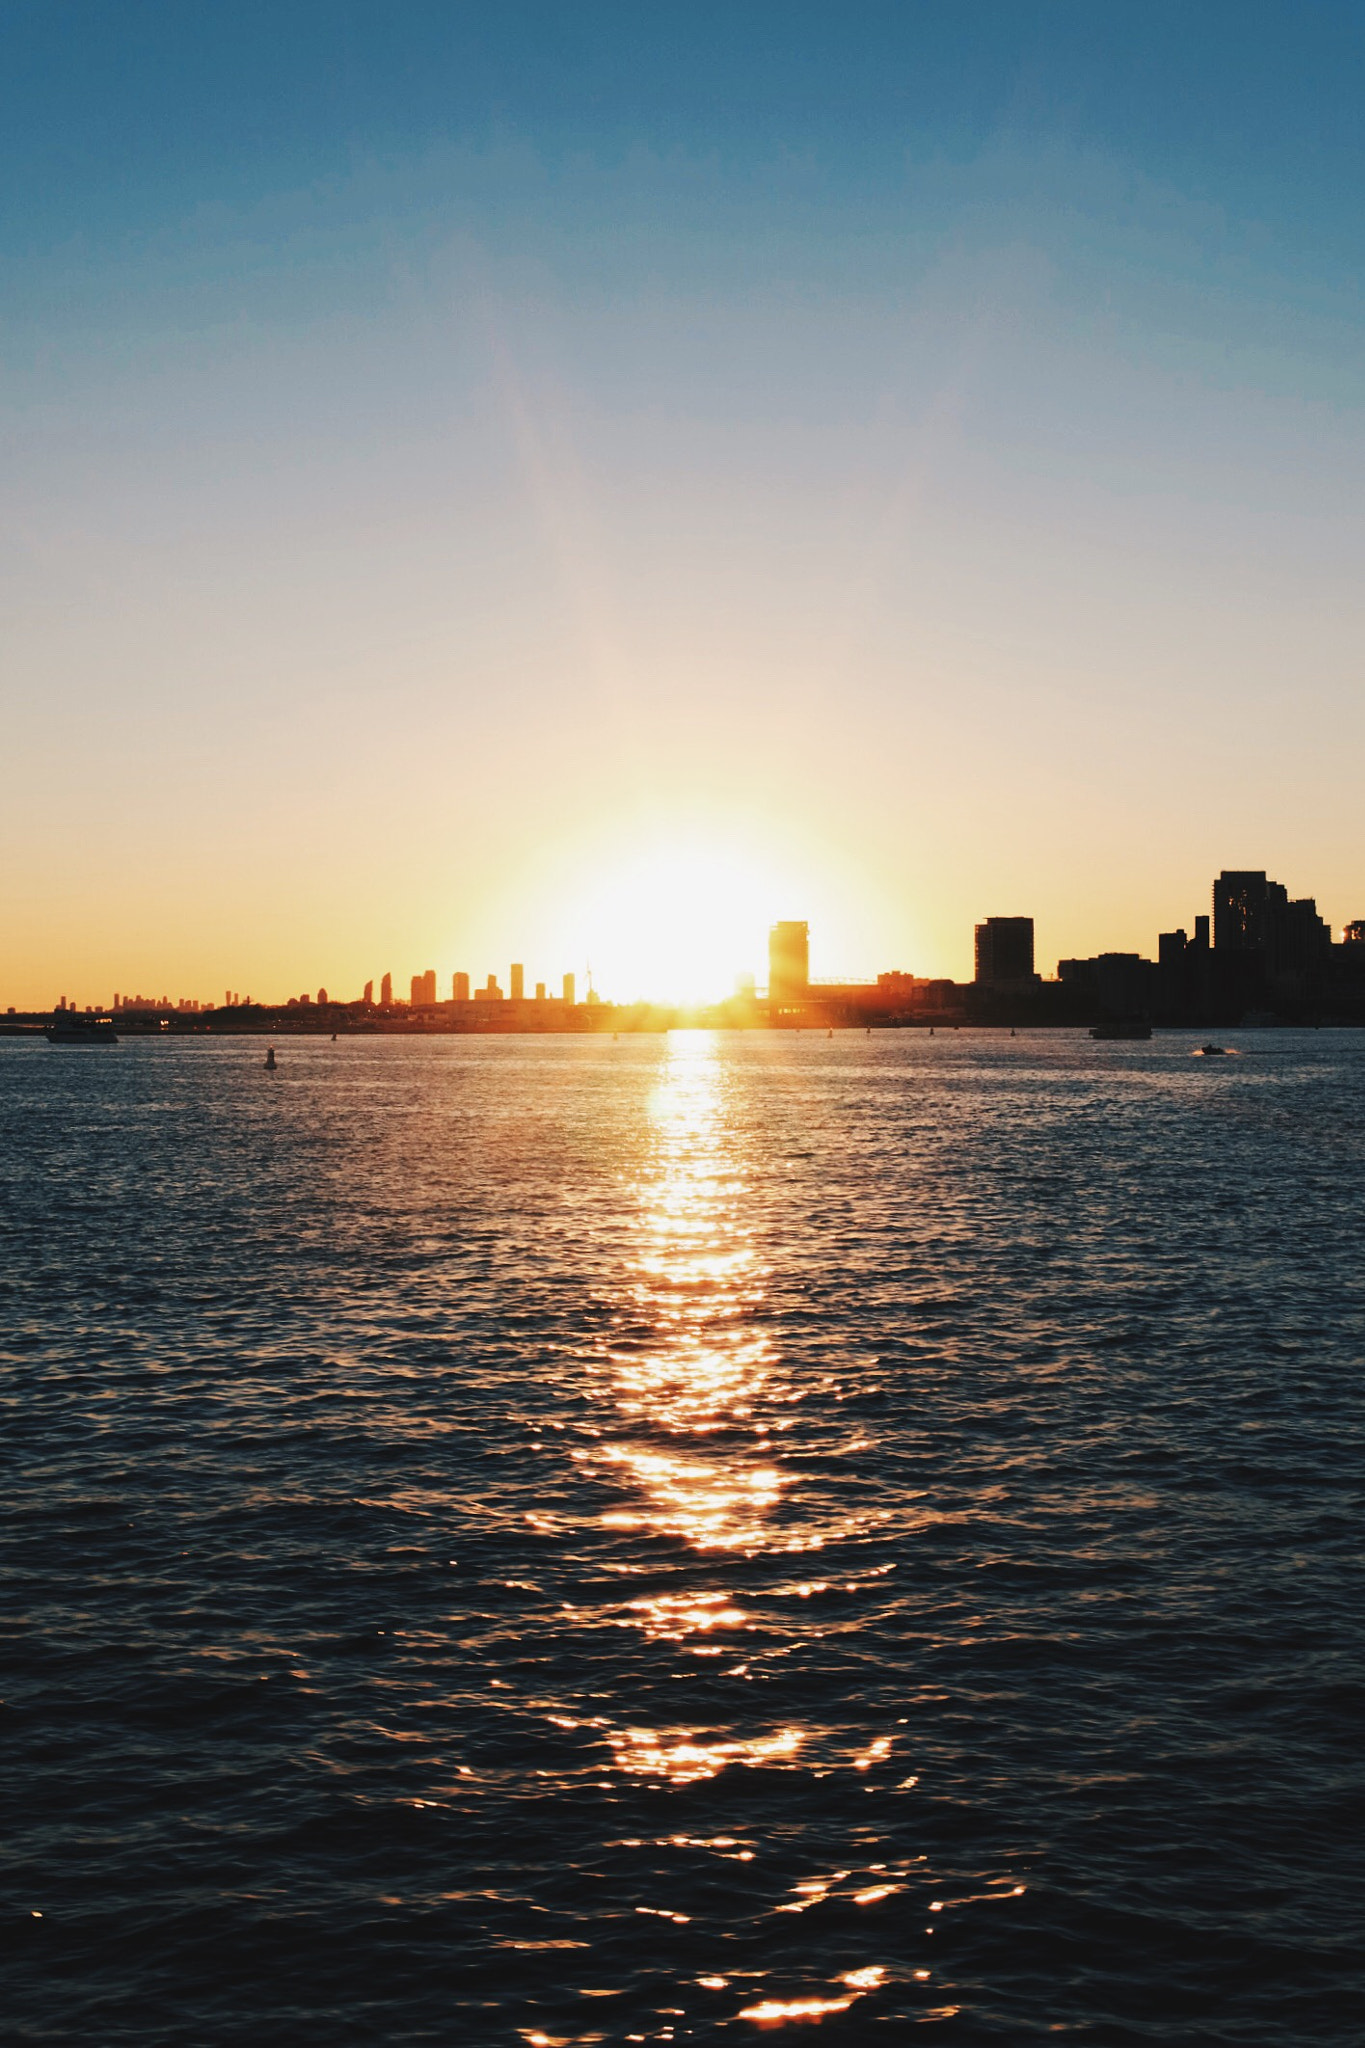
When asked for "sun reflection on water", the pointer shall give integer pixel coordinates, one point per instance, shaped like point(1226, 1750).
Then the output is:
point(682, 1759)
point(696, 1404)
point(695, 1380)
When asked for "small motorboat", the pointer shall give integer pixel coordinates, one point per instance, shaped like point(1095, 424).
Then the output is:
point(77, 1027)
point(1211, 1052)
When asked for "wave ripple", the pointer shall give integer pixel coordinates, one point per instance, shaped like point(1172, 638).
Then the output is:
point(556, 1541)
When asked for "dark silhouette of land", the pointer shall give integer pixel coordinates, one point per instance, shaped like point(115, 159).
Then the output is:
point(1260, 957)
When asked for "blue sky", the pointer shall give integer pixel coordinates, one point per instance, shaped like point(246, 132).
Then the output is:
point(916, 450)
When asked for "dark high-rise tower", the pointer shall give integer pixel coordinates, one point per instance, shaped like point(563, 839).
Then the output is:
point(1241, 911)
point(1252, 915)
point(1004, 949)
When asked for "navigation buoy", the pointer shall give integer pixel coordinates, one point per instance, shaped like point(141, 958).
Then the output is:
point(270, 1059)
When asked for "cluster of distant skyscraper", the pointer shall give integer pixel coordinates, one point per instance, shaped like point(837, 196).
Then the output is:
point(423, 993)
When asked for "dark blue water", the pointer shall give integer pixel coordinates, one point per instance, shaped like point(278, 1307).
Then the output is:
point(555, 1541)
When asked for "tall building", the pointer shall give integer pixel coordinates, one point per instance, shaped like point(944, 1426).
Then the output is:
point(368, 996)
point(1300, 940)
point(1241, 911)
point(788, 964)
point(1004, 950)
point(1252, 914)
point(517, 985)
point(424, 990)
point(569, 990)
point(540, 991)
point(386, 991)
point(459, 988)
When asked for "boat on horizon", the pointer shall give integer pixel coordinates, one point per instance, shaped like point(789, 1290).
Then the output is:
point(77, 1027)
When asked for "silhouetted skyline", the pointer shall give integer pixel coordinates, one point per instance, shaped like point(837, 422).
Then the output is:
point(1256, 949)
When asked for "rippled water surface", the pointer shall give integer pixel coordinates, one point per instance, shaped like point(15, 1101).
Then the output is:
point(558, 1541)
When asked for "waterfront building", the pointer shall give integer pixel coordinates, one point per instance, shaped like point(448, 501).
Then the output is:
point(1241, 910)
point(540, 991)
point(459, 988)
point(1117, 984)
point(1004, 951)
point(788, 964)
point(424, 990)
point(368, 996)
point(1253, 915)
point(1300, 940)
point(569, 991)
point(517, 982)
point(386, 991)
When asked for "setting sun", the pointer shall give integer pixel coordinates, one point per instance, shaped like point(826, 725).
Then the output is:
point(679, 923)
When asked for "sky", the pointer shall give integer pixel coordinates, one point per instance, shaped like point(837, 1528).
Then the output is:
point(576, 483)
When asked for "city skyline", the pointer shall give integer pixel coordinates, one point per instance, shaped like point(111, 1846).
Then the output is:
point(1250, 913)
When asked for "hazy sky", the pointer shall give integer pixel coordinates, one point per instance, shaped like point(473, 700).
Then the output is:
point(891, 463)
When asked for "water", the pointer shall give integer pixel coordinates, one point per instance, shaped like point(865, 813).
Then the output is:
point(560, 1541)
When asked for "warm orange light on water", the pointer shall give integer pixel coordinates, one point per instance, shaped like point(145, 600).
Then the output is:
point(694, 1450)
point(773, 2011)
